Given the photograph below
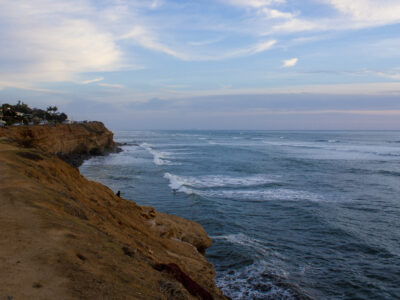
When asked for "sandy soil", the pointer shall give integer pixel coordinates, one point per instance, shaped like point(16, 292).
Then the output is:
point(65, 237)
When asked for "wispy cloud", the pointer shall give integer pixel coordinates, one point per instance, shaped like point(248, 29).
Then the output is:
point(206, 42)
point(368, 12)
point(290, 62)
point(111, 85)
point(27, 87)
point(173, 86)
point(276, 14)
point(254, 49)
point(390, 75)
point(149, 40)
point(251, 50)
point(279, 16)
point(156, 4)
point(263, 46)
point(92, 80)
point(365, 89)
point(254, 3)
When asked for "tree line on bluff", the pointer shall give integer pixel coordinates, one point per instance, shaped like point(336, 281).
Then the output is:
point(21, 113)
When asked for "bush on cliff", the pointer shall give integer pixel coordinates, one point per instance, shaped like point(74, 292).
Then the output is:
point(21, 113)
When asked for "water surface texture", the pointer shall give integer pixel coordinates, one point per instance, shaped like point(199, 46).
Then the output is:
point(292, 214)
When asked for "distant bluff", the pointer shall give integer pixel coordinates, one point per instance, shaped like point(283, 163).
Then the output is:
point(72, 142)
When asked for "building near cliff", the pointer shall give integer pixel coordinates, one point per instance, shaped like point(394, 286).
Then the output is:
point(22, 114)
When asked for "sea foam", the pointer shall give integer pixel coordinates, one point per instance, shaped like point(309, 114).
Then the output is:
point(264, 195)
point(236, 188)
point(159, 157)
point(258, 280)
point(201, 185)
point(252, 282)
point(212, 181)
point(246, 241)
point(177, 185)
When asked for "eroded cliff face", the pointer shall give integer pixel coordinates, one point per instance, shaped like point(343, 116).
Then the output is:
point(65, 237)
point(72, 142)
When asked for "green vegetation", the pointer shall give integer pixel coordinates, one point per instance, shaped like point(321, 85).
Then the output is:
point(21, 113)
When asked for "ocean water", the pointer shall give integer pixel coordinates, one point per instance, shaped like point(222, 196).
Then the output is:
point(293, 215)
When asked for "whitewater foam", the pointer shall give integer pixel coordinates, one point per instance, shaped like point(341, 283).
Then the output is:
point(176, 185)
point(159, 157)
point(244, 240)
point(209, 186)
point(252, 282)
point(263, 195)
point(212, 181)
point(257, 280)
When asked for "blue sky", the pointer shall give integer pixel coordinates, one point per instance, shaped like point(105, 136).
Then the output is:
point(216, 64)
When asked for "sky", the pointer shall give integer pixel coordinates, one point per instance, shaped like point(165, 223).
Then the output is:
point(206, 64)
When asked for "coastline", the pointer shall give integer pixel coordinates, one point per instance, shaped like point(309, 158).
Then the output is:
point(73, 143)
point(66, 237)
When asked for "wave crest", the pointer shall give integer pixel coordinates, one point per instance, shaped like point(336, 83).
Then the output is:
point(159, 157)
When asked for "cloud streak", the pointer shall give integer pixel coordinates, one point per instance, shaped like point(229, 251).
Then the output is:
point(289, 63)
point(111, 85)
point(254, 3)
point(147, 39)
point(92, 80)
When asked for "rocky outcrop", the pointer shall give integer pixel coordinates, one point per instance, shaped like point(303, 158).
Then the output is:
point(71, 142)
point(65, 237)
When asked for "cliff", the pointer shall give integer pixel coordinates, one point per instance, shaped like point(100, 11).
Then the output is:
point(65, 237)
point(72, 142)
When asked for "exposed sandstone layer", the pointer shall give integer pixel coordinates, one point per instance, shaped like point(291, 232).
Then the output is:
point(72, 142)
point(65, 237)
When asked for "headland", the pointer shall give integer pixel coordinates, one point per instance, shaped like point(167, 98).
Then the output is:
point(65, 237)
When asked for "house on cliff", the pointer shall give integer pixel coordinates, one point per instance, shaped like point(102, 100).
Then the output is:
point(2, 122)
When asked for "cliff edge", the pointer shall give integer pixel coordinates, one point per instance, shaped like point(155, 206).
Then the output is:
point(71, 142)
point(65, 237)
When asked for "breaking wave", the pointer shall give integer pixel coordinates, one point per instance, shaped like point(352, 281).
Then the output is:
point(210, 186)
point(159, 157)
point(213, 181)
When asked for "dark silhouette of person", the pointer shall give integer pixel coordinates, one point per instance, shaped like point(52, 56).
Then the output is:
point(118, 194)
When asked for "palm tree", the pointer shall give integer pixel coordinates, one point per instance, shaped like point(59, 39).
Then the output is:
point(52, 108)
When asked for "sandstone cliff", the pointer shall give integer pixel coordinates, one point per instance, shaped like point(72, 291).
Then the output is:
point(72, 142)
point(65, 237)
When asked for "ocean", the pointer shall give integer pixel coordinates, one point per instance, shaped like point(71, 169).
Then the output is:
point(292, 214)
